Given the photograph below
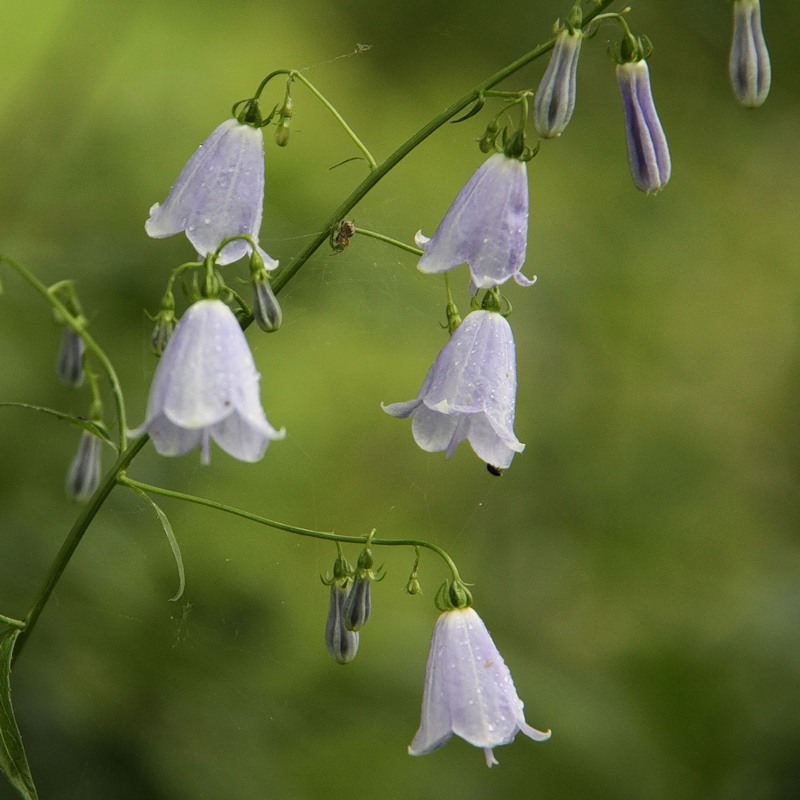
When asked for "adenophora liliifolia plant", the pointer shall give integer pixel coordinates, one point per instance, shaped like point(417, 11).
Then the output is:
point(206, 386)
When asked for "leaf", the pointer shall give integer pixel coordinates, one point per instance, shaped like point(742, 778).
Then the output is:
point(81, 422)
point(173, 542)
point(13, 761)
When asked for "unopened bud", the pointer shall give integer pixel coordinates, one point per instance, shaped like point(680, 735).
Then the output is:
point(266, 309)
point(749, 65)
point(70, 360)
point(648, 153)
point(83, 475)
point(358, 604)
point(555, 97)
point(342, 643)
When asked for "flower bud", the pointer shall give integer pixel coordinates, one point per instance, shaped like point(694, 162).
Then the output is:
point(749, 64)
point(83, 475)
point(70, 360)
point(358, 604)
point(266, 310)
point(555, 97)
point(648, 153)
point(342, 644)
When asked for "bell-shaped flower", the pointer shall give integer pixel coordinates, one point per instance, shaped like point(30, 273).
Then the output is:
point(648, 153)
point(469, 393)
point(486, 227)
point(206, 387)
point(219, 193)
point(468, 690)
point(749, 65)
point(69, 367)
point(83, 475)
point(555, 96)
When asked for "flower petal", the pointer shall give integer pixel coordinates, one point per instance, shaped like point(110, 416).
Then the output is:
point(218, 194)
point(485, 227)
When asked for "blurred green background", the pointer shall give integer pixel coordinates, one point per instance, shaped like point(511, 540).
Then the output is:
point(639, 564)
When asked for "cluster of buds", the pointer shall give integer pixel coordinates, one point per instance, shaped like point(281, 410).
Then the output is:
point(350, 603)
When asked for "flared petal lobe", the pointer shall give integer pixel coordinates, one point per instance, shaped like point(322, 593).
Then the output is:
point(469, 393)
point(749, 64)
point(648, 153)
point(219, 193)
point(469, 691)
point(555, 97)
point(486, 227)
point(206, 387)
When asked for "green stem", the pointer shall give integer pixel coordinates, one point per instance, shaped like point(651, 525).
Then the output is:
point(283, 526)
point(74, 538)
point(14, 623)
point(347, 129)
point(283, 276)
point(91, 345)
point(409, 248)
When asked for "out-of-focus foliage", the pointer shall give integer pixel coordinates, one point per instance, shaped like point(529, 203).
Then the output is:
point(638, 566)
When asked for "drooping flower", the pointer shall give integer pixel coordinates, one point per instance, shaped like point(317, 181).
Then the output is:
point(486, 227)
point(469, 393)
point(206, 387)
point(648, 153)
point(83, 475)
point(749, 65)
point(468, 690)
point(555, 97)
point(219, 193)
point(342, 643)
point(69, 367)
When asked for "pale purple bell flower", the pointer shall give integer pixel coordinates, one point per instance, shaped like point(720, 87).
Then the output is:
point(469, 691)
point(219, 193)
point(340, 641)
point(648, 153)
point(486, 227)
point(206, 387)
point(749, 65)
point(83, 475)
point(555, 96)
point(469, 393)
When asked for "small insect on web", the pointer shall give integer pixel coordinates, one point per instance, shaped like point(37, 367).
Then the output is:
point(340, 238)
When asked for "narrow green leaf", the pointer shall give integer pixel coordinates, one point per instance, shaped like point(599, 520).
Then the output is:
point(173, 542)
point(13, 761)
point(86, 424)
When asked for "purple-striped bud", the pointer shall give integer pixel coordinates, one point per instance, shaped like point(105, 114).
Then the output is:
point(648, 153)
point(83, 475)
point(749, 64)
point(70, 360)
point(342, 643)
point(555, 97)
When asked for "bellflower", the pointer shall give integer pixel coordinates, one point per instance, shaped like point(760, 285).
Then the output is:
point(219, 193)
point(486, 227)
point(648, 154)
point(555, 97)
point(469, 393)
point(206, 387)
point(750, 69)
point(468, 690)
